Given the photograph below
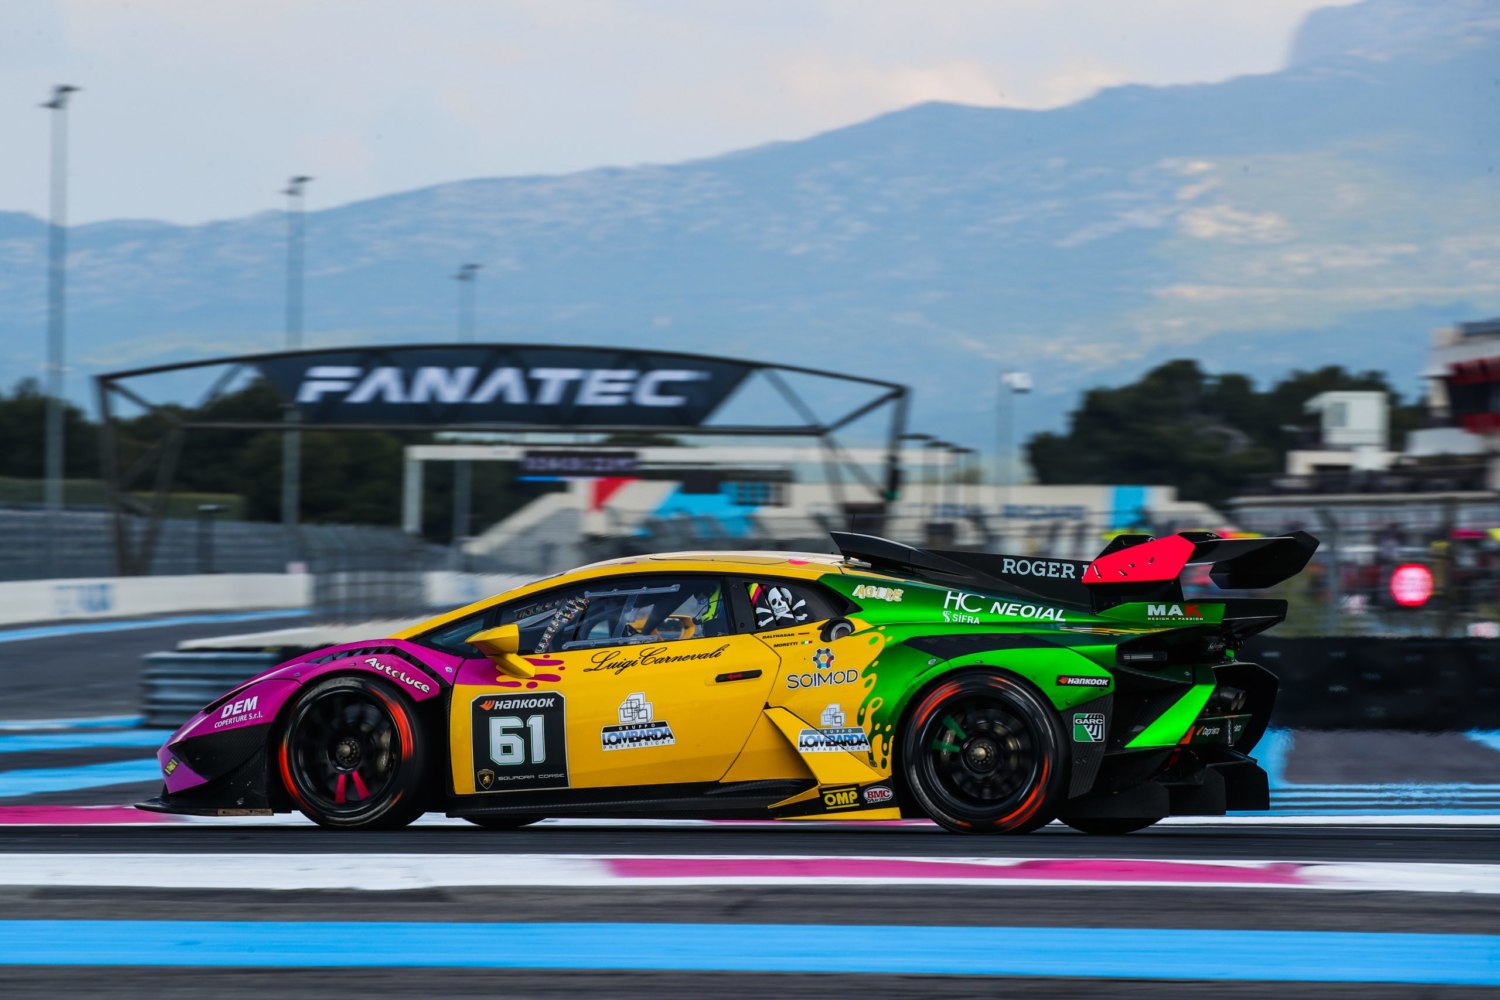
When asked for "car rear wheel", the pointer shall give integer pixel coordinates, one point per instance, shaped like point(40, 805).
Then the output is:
point(982, 753)
point(1110, 826)
point(352, 756)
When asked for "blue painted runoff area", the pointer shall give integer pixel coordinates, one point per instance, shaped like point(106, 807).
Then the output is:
point(37, 781)
point(1261, 956)
point(132, 624)
point(1489, 738)
point(83, 739)
point(1271, 752)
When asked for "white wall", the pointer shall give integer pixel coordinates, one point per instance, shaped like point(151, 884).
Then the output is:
point(123, 597)
point(133, 596)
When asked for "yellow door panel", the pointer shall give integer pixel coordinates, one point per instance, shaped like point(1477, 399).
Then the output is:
point(634, 714)
point(661, 713)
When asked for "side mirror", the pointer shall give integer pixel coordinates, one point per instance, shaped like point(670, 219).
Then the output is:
point(502, 644)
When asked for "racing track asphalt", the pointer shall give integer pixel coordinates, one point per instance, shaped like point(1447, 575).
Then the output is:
point(97, 674)
point(1435, 843)
point(742, 907)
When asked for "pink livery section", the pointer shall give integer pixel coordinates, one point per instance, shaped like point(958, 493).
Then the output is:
point(225, 746)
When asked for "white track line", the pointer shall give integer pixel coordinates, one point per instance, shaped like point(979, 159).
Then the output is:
point(385, 872)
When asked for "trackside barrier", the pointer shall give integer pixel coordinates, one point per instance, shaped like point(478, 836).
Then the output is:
point(133, 596)
point(1423, 685)
point(101, 598)
point(174, 686)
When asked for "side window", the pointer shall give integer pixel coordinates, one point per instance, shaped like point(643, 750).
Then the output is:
point(450, 638)
point(621, 611)
point(784, 604)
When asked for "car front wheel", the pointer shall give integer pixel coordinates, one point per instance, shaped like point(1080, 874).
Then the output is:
point(352, 755)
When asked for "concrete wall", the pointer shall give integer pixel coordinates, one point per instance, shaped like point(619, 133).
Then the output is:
point(123, 597)
point(128, 597)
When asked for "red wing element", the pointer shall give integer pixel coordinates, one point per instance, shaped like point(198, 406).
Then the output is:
point(1157, 561)
point(1238, 563)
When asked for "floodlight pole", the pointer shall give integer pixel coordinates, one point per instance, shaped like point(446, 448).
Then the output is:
point(463, 472)
point(57, 263)
point(465, 278)
point(1009, 463)
point(291, 442)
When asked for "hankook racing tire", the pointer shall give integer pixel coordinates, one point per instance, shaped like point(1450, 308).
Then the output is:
point(982, 753)
point(1110, 826)
point(352, 755)
point(503, 822)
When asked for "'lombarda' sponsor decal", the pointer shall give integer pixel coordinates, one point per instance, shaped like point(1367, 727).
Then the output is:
point(848, 738)
point(959, 606)
point(638, 726)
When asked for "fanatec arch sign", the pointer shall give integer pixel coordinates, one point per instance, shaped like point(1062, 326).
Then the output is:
point(554, 386)
point(491, 387)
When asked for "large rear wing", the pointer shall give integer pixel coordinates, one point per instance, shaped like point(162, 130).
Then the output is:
point(1131, 568)
point(1141, 568)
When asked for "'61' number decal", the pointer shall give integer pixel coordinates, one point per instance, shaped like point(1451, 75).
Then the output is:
point(520, 742)
point(508, 748)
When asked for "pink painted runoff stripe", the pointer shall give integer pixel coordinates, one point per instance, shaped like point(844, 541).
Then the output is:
point(79, 815)
point(894, 869)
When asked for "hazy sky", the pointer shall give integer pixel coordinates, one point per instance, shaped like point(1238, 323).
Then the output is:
point(199, 109)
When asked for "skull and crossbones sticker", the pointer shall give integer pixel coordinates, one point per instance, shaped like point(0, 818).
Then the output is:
point(777, 606)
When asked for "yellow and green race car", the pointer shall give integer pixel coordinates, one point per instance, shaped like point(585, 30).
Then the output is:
point(989, 693)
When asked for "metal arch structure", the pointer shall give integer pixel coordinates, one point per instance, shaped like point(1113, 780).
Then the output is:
point(517, 388)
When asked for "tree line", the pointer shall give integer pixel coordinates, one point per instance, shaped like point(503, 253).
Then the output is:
point(1208, 435)
point(347, 477)
point(1176, 425)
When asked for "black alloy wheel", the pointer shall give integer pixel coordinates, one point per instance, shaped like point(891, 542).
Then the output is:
point(352, 755)
point(982, 753)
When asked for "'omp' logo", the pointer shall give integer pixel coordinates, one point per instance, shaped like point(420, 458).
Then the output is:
point(841, 798)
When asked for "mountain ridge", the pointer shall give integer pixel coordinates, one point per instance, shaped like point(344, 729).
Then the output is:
point(1335, 211)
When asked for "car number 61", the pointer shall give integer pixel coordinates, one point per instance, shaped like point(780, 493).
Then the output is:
point(508, 748)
